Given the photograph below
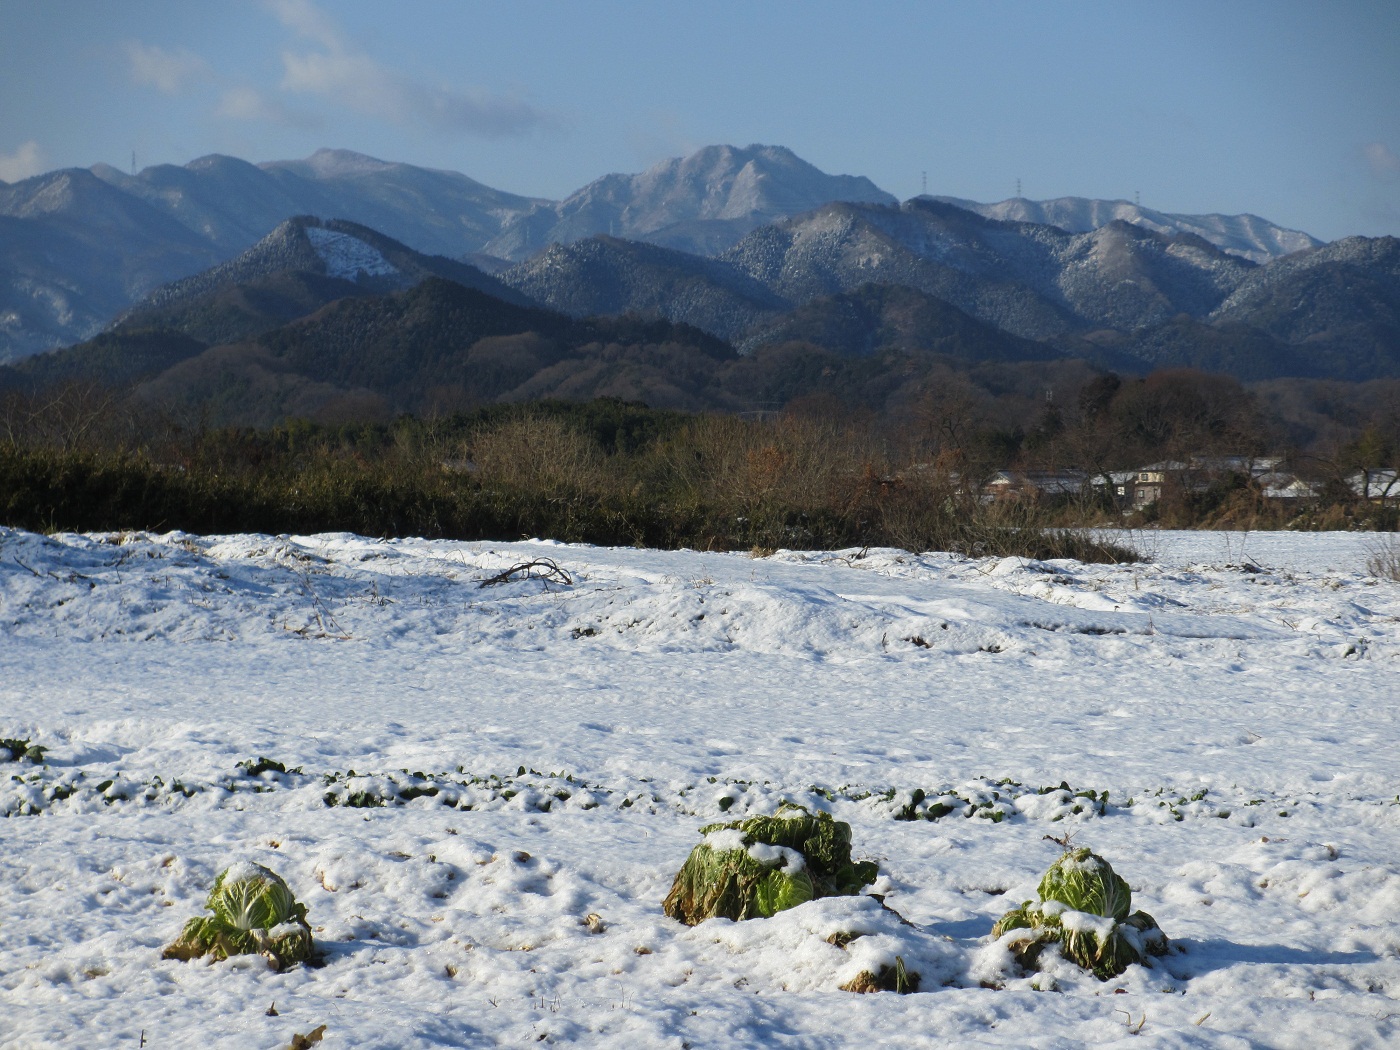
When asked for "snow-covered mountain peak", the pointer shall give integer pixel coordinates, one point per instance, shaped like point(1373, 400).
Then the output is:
point(334, 163)
point(703, 203)
point(727, 182)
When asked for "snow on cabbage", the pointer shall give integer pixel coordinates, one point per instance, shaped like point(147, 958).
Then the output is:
point(764, 865)
point(252, 912)
point(1084, 912)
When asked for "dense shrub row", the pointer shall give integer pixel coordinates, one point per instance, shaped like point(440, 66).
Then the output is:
point(604, 473)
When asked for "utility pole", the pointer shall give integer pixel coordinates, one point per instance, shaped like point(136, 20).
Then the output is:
point(133, 162)
point(1018, 189)
point(925, 184)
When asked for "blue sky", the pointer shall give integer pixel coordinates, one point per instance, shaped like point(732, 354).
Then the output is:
point(1289, 110)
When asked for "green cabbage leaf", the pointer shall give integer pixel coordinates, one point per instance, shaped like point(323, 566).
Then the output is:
point(1084, 911)
point(1081, 880)
point(253, 912)
point(763, 865)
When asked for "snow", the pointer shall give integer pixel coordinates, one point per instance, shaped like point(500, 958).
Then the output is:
point(1097, 926)
point(243, 871)
point(519, 770)
point(348, 257)
point(1247, 236)
point(778, 857)
point(726, 839)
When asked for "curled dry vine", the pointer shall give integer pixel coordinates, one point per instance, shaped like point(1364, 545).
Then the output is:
point(545, 569)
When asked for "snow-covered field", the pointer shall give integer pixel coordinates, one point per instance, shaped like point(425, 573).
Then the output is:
point(529, 754)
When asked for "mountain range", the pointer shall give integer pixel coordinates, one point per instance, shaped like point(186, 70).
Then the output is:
point(867, 304)
point(732, 281)
point(1245, 235)
point(80, 246)
point(1121, 295)
point(302, 265)
point(334, 321)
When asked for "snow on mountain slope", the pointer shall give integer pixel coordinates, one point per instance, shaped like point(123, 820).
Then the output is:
point(335, 164)
point(1244, 235)
point(604, 275)
point(1033, 280)
point(542, 752)
point(702, 203)
point(334, 247)
point(346, 256)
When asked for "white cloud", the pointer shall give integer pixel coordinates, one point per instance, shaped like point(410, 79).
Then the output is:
point(482, 112)
point(1382, 161)
point(342, 74)
point(242, 103)
point(22, 163)
point(354, 79)
point(309, 21)
point(169, 72)
point(246, 103)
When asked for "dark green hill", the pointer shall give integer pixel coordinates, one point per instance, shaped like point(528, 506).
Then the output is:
point(439, 347)
point(878, 317)
point(1233, 349)
point(301, 266)
point(110, 359)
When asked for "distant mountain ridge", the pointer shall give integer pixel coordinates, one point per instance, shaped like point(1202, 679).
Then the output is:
point(1245, 235)
point(702, 203)
point(1122, 296)
point(235, 203)
point(75, 251)
point(80, 246)
point(868, 301)
point(605, 275)
point(1033, 280)
point(304, 264)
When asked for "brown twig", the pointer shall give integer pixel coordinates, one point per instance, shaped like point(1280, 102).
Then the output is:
point(539, 569)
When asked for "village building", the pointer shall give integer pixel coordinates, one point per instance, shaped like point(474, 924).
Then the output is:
point(1377, 484)
point(1135, 490)
point(1034, 485)
point(1199, 472)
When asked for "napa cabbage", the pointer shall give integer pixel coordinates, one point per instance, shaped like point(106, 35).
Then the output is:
point(1083, 881)
point(1085, 910)
point(252, 912)
point(763, 865)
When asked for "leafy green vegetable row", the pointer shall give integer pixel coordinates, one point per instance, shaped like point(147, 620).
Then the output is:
point(33, 791)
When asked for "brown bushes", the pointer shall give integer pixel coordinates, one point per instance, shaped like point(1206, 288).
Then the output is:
point(607, 473)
